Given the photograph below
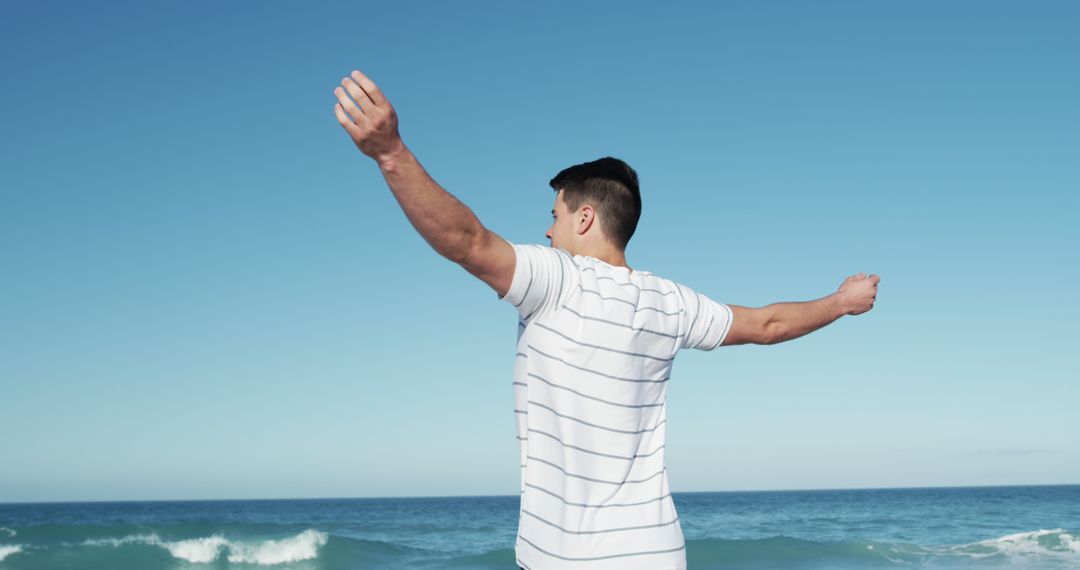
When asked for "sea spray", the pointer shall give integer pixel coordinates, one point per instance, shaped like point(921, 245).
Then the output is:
point(303, 546)
point(197, 550)
point(1020, 546)
point(9, 549)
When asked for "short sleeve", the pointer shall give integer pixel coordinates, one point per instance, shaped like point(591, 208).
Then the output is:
point(706, 321)
point(542, 276)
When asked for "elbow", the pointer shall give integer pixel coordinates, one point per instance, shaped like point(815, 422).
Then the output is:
point(457, 249)
point(773, 332)
point(462, 246)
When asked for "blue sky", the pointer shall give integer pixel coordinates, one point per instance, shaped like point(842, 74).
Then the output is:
point(208, 292)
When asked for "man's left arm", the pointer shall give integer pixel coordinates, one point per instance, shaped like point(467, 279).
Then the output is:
point(782, 322)
point(448, 225)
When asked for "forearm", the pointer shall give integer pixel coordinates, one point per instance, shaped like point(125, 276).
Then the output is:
point(792, 320)
point(448, 225)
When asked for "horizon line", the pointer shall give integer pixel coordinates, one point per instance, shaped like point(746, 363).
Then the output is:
point(388, 497)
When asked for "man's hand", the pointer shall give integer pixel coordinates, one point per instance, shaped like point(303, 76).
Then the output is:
point(857, 293)
point(370, 121)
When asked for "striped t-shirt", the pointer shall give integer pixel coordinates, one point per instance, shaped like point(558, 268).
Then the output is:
point(594, 353)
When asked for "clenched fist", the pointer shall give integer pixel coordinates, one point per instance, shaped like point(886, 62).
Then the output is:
point(368, 117)
point(858, 293)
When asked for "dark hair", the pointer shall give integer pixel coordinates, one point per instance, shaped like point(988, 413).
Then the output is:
point(610, 186)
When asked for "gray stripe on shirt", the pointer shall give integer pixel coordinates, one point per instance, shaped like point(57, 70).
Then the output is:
point(599, 294)
point(712, 319)
point(588, 506)
point(658, 310)
point(618, 324)
point(568, 531)
point(597, 372)
point(623, 457)
point(616, 281)
point(596, 346)
point(635, 286)
point(601, 400)
point(697, 313)
point(527, 287)
point(616, 430)
point(631, 303)
point(576, 476)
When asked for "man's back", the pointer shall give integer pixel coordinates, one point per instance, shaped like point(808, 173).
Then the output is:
point(595, 348)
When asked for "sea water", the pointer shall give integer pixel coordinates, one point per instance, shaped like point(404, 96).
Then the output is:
point(974, 527)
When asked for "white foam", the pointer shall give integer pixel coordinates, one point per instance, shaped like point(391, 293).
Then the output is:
point(197, 550)
point(1053, 543)
point(130, 539)
point(9, 549)
point(1071, 542)
point(10, 533)
point(304, 546)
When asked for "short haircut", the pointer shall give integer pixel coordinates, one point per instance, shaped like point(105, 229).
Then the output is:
point(610, 186)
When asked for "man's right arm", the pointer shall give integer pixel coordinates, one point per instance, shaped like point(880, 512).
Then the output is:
point(781, 322)
point(448, 225)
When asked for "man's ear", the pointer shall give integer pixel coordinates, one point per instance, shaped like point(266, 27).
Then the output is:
point(585, 218)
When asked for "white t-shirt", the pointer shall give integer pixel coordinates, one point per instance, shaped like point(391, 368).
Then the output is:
point(594, 353)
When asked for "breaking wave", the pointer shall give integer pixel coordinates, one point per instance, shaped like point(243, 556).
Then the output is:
point(1054, 543)
point(1054, 547)
point(303, 546)
point(9, 549)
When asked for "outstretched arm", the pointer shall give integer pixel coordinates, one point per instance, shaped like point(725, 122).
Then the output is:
point(449, 226)
point(780, 322)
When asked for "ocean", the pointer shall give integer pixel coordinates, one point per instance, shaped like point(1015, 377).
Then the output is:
point(969, 527)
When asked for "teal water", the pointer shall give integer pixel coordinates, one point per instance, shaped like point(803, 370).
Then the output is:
point(976, 527)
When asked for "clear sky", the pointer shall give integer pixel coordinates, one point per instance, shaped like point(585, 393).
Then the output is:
point(208, 292)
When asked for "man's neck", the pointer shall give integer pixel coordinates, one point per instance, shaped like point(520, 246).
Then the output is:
point(607, 254)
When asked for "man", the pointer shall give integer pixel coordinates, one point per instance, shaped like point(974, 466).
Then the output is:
point(596, 340)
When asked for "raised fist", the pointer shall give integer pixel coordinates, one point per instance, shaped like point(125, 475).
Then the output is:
point(858, 293)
